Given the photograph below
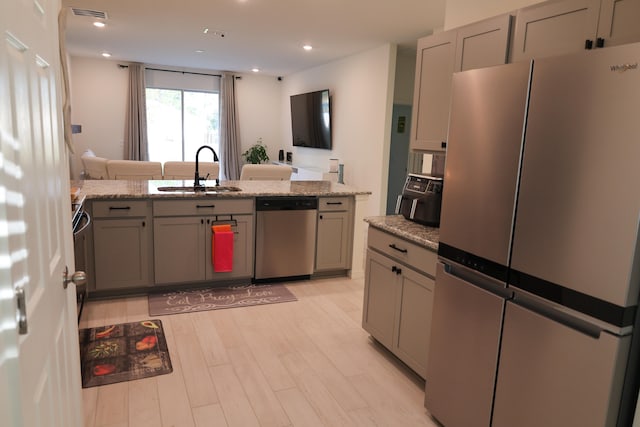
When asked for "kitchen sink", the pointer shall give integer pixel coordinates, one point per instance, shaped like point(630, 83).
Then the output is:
point(192, 189)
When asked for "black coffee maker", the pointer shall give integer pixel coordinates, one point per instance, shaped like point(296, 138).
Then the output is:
point(421, 199)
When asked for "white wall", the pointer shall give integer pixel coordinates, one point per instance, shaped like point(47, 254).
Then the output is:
point(260, 115)
point(99, 99)
point(361, 88)
point(98, 103)
point(462, 12)
point(405, 77)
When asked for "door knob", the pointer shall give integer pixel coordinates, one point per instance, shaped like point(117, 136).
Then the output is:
point(79, 278)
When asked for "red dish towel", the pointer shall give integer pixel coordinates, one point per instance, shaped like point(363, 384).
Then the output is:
point(222, 248)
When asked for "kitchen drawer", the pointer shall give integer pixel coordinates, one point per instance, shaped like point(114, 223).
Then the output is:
point(328, 204)
point(415, 256)
point(119, 208)
point(202, 206)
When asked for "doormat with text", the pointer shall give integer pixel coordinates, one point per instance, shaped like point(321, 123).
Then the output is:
point(216, 298)
point(123, 352)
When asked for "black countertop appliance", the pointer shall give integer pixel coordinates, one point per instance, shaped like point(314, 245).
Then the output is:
point(421, 199)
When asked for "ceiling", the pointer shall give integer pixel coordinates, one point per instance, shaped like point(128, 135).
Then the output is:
point(247, 34)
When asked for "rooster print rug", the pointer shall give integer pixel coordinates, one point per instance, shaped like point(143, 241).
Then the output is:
point(123, 352)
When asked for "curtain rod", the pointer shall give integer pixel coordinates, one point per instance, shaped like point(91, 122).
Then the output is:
point(175, 71)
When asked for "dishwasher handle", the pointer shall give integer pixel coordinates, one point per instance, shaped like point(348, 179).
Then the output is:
point(286, 203)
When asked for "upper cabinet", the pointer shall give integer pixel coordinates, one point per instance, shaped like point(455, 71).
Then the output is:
point(619, 22)
point(567, 26)
point(483, 44)
point(478, 45)
point(434, 66)
point(555, 28)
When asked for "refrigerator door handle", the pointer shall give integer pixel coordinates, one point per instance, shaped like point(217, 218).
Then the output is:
point(548, 311)
point(477, 279)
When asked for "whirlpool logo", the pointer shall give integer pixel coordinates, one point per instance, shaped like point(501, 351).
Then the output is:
point(624, 67)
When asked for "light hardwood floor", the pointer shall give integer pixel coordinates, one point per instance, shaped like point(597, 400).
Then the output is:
point(302, 363)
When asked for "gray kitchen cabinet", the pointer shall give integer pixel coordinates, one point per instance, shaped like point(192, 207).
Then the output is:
point(380, 295)
point(618, 22)
point(554, 28)
point(398, 299)
point(243, 243)
point(484, 43)
point(435, 63)
point(179, 249)
point(481, 44)
point(335, 234)
point(122, 244)
point(182, 239)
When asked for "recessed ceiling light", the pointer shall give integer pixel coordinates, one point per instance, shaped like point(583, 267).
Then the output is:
point(307, 47)
point(106, 54)
point(99, 24)
point(255, 70)
point(199, 51)
point(206, 31)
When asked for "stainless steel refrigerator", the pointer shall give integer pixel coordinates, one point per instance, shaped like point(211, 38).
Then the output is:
point(538, 275)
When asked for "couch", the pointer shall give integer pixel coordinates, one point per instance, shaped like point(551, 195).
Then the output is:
point(100, 168)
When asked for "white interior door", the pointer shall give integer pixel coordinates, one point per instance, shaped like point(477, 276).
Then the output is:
point(39, 367)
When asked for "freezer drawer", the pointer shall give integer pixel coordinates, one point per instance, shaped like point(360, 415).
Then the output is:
point(461, 366)
point(554, 375)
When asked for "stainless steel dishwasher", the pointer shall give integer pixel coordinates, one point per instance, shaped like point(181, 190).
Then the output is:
point(285, 237)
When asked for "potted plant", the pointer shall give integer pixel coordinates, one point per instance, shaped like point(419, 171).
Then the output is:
point(257, 153)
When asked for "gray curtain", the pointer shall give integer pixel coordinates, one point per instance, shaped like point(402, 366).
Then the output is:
point(229, 129)
point(135, 140)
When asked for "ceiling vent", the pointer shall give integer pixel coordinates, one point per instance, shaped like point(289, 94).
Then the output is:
point(90, 13)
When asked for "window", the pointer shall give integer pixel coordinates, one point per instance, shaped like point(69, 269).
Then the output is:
point(183, 113)
point(180, 121)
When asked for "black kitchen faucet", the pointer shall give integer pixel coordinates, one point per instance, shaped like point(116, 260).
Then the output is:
point(197, 178)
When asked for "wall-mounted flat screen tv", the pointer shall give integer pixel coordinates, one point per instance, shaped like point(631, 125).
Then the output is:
point(311, 119)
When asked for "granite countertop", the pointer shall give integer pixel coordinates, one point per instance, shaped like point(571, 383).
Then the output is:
point(120, 189)
point(398, 225)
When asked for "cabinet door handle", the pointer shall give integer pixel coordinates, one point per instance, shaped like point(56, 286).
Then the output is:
point(119, 208)
point(599, 42)
point(396, 270)
point(320, 216)
point(334, 203)
point(393, 246)
point(144, 224)
point(205, 206)
point(588, 44)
